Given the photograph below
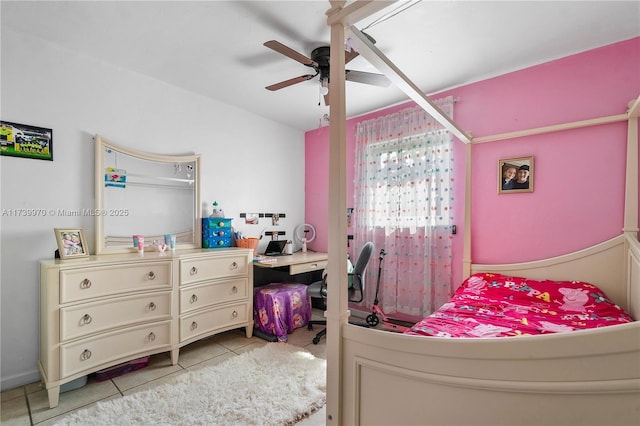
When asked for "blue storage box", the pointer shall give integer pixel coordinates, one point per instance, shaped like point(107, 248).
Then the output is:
point(74, 384)
point(216, 232)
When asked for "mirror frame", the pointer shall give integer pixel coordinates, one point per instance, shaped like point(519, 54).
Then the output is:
point(100, 146)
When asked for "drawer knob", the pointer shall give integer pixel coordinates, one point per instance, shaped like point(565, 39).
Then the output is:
point(234, 314)
point(194, 325)
point(85, 355)
point(234, 265)
point(86, 319)
point(193, 270)
point(151, 337)
point(152, 306)
point(193, 299)
point(86, 283)
point(234, 289)
point(151, 275)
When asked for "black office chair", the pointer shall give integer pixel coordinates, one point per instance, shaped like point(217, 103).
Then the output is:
point(318, 289)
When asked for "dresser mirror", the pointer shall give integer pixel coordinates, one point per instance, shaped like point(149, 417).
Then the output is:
point(139, 193)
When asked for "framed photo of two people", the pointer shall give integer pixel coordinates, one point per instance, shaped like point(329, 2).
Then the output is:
point(515, 175)
point(71, 243)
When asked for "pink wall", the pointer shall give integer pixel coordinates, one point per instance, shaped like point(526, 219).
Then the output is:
point(579, 174)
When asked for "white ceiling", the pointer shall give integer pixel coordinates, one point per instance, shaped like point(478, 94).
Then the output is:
point(214, 48)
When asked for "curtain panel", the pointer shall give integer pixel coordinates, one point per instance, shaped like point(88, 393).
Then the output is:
point(404, 204)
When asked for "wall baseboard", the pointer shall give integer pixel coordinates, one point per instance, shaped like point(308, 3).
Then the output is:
point(18, 380)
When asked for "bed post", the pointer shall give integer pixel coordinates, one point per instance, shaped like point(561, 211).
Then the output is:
point(466, 245)
point(630, 227)
point(338, 17)
point(337, 312)
point(631, 184)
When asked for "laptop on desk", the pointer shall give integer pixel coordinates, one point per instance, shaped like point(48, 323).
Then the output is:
point(276, 248)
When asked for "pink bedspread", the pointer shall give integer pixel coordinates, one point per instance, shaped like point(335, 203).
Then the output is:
point(493, 305)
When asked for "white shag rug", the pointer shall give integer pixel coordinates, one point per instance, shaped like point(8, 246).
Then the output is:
point(277, 384)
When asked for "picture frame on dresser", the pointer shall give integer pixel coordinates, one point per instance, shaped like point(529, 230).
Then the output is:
point(71, 243)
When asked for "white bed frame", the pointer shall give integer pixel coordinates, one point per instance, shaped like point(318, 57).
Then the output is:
point(589, 377)
point(375, 377)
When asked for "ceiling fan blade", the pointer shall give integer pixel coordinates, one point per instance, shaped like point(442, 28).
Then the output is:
point(350, 55)
point(289, 52)
point(290, 82)
point(367, 78)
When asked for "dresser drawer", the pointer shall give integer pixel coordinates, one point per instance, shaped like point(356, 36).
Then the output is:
point(89, 283)
point(211, 293)
point(107, 348)
point(205, 322)
point(195, 270)
point(308, 267)
point(88, 318)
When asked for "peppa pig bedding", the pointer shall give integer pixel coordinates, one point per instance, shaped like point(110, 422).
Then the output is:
point(494, 305)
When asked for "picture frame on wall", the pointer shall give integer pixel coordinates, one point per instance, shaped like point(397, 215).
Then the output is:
point(515, 175)
point(22, 140)
point(71, 243)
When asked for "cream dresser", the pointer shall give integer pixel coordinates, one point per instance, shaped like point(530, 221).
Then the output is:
point(104, 310)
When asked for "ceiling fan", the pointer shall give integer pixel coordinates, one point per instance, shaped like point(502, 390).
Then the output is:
point(319, 62)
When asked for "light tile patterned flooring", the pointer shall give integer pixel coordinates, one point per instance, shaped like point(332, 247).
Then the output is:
point(29, 405)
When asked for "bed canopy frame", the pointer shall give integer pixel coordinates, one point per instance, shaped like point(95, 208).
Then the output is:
point(377, 377)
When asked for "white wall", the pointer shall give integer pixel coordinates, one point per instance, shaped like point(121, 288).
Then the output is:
point(79, 97)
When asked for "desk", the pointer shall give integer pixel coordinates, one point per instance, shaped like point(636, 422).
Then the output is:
point(306, 267)
point(298, 262)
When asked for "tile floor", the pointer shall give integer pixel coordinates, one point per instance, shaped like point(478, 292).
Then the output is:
point(29, 405)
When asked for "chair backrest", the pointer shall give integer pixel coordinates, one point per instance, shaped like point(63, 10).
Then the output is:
point(358, 272)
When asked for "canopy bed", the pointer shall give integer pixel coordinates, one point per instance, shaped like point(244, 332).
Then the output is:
point(584, 377)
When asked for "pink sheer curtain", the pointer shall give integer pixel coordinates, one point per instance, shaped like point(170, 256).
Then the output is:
point(403, 203)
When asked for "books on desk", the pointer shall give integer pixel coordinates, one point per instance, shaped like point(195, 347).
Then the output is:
point(265, 260)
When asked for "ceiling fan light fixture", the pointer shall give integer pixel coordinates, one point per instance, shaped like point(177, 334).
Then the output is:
point(324, 86)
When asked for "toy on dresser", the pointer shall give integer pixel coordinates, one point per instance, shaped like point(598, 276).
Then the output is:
point(216, 229)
